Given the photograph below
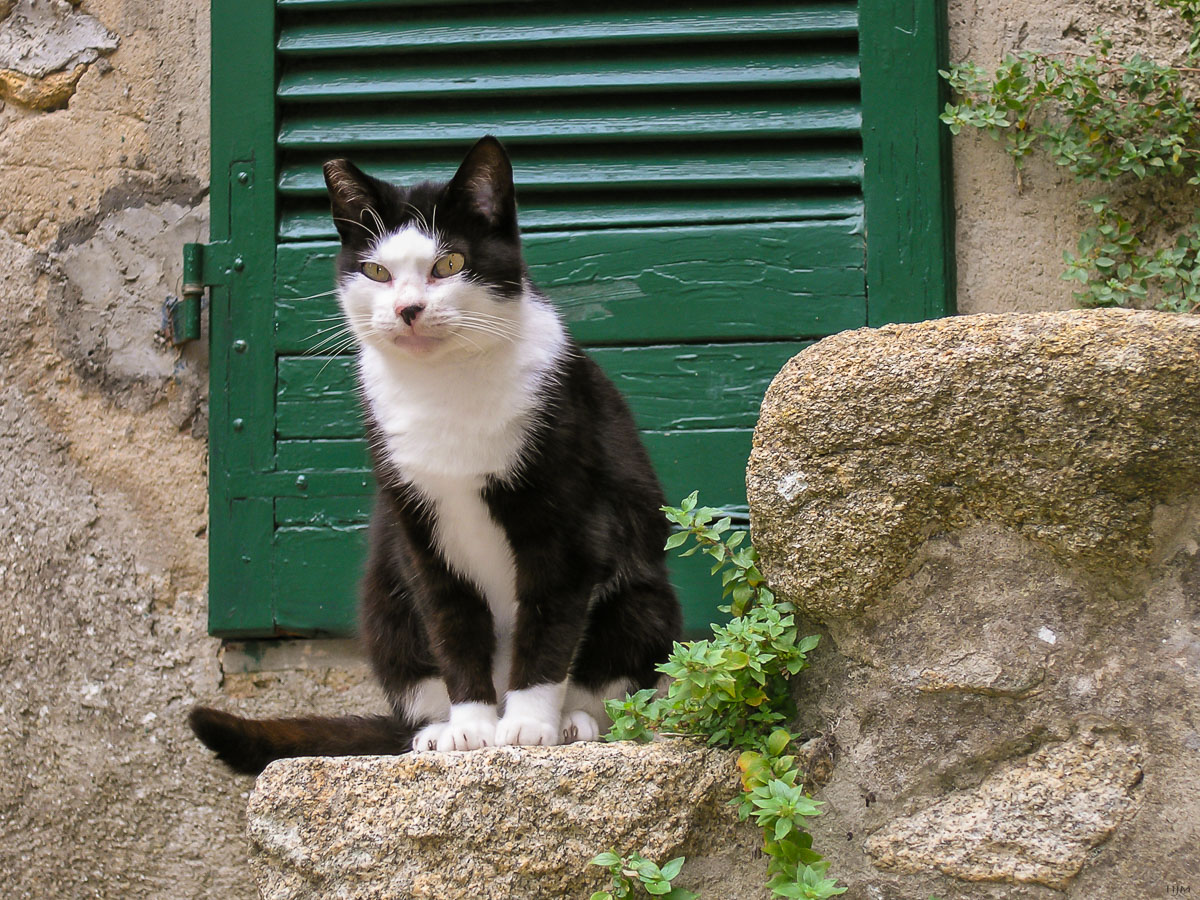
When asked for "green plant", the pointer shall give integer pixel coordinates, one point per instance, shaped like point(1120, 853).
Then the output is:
point(732, 690)
point(656, 881)
point(1106, 119)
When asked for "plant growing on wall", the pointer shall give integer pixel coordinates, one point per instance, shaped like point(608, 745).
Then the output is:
point(626, 871)
point(732, 690)
point(1125, 122)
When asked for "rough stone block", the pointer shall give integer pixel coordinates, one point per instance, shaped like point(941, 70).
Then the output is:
point(504, 822)
point(996, 521)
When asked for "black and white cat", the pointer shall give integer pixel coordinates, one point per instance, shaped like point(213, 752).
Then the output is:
point(516, 574)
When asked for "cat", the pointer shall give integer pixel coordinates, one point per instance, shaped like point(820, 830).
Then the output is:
point(516, 576)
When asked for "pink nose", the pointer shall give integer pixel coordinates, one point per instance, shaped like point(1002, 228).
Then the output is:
point(409, 313)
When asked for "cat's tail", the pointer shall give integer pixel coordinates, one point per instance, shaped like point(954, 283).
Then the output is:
point(247, 745)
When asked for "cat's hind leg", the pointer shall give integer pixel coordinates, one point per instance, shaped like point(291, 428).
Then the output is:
point(631, 629)
point(584, 718)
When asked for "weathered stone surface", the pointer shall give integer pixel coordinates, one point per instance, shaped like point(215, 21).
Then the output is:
point(1066, 427)
point(45, 47)
point(996, 522)
point(110, 284)
point(1032, 821)
point(500, 823)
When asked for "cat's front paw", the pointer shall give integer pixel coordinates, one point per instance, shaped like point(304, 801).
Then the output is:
point(467, 729)
point(579, 726)
point(526, 732)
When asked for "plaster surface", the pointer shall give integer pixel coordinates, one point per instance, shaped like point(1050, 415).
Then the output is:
point(1012, 229)
point(102, 445)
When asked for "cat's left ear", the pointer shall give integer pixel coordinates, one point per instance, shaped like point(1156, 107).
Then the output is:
point(354, 198)
point(484, 182)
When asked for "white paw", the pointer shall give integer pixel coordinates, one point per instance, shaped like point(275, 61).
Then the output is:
point(579, 726)
point(430, 736)
point(468, 729)
point(526, 731)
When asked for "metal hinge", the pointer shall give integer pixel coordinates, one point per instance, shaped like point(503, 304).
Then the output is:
point(181, 315)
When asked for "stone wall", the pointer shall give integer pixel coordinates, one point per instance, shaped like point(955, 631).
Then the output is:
point(996, 522)
point(103, 176)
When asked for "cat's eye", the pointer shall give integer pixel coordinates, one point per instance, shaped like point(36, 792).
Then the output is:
point(450, 264)
point(375, 271)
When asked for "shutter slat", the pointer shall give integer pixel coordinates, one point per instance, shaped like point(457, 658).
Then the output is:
point(378, 34)
point(643, 285)
point(759, 120)
point(744, 169)
point(315, 225)
point(766, 71)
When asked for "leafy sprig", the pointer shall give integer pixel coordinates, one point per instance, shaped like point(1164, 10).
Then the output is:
point(732, 690)
point(627, 871)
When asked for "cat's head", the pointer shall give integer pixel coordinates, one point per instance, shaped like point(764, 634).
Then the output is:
point(431, 269)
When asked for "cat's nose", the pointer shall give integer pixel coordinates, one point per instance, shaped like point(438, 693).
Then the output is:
point(409, 313)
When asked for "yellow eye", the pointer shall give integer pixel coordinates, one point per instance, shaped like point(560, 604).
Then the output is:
point(375, 271)
point(450, 264)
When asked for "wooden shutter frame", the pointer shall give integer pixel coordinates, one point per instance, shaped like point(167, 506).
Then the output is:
point(909, 263)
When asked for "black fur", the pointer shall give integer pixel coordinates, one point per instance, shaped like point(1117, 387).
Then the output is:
point(580, 513)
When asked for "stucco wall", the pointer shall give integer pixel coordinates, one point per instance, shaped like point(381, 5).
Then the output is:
point(103, 175)
point(1011, 232)
point(103, 793)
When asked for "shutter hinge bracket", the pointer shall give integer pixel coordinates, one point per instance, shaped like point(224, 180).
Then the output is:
point(204, 265)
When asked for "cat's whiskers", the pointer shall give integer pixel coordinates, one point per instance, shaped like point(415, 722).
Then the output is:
point(313, 296)
point(420, 216)
point(491, 332)
point(340, 343)
point(359, 224)
point(459, 334)
point(499, 321)
point(378, 221)
point(503, 337)
point(344, 328)
point(340, 325)
point(500, 327)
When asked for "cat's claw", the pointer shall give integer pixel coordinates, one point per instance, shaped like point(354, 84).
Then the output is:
point(443, 736)
point(526, 732)
point(579, 725)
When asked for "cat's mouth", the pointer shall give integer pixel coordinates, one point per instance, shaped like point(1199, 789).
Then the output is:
point(417, 343)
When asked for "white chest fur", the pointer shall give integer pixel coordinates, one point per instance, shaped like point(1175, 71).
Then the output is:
point(451, 422)
point(465, 415)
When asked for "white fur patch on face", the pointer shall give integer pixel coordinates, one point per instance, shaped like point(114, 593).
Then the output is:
point(464, 414)
point(454, 314)
point(532, 716)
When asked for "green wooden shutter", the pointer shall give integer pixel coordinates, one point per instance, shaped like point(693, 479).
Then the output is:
point(698, 191)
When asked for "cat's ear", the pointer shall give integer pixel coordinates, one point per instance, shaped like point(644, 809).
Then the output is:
point(484, 183)
point(354, 200)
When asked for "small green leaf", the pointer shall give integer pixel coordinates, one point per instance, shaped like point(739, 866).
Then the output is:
point(678, 539)
point(605, 859)
point(778, 740)
point(671, 869)
point(736, 659)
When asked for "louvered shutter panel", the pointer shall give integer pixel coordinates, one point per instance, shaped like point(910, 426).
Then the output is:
point(690, 185)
